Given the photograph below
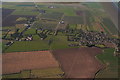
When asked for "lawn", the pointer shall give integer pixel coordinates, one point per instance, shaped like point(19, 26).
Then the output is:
point(111, 62)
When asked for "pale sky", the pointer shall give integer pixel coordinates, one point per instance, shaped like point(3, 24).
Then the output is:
point(59, 0)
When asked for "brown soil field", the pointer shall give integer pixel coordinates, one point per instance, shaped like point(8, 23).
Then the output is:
point(19, 26)
point(18, 61)
point(79, 62)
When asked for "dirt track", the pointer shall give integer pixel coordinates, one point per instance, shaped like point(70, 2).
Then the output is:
point(79, 63)
point(16, 62)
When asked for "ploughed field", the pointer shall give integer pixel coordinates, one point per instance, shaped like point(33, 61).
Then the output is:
point(79, 62)
point(6, 12)
point(11, 20)
point(20, 61)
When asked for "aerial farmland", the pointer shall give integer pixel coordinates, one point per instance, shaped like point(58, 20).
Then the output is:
point(58, 40)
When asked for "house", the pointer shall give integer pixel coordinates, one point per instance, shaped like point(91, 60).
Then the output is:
point(61, 22)
point(9, 43)
point(29, 38)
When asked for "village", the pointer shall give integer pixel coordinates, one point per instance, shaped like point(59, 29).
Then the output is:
point(60, 40)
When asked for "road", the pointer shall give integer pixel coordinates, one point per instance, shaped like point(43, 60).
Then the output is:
point(59, 24)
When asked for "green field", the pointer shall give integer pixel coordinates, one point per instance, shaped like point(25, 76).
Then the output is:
point(93, 5)
point(21, 10)
point(89, 19)
point(77, 18)
point(24, 12)
point(74, 19)
point(50, 72)
point(23, 74)
point(104, 28)
point(109, 24)
point(111, 62)
point(30, 32)
point(44, 24)
point(72, 26)
point(34, 45)
point(15, 5)
point(52, 15)
point(68, 11)
point(39, 73)
point(58, 42)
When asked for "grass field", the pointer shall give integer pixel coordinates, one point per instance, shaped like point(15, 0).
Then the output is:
point(72, 26)
point(89, 20)
point(9, 27)
point(23, 74)
point(93, 5)
point(45, 25)
point(52, 15)
point(109, 24)
point(111, 62)
point(41, 73)
point(30, 32)
point(47, 73)
point(21, 10)
point(74, 19)
point(34, 45)
point(68, 11)
point(15, 5)
point(25, 12)
point(60, 42)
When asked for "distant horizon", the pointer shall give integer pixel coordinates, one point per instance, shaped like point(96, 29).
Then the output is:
point(60, 0)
